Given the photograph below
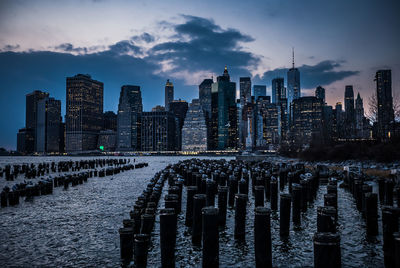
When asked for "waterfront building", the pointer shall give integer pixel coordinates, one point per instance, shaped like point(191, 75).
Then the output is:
point(179, 108)
point(259, 91)
point(194, 131)
point(385, 116)
point(32, 100)
point(278, 89)
point(48, 125)
point(25, 140)
point(169, 94)
point(110, 121)
point(307, 120)
point(158, 131)
point(320, 93)
point(84, 113)
point(130, 108)
point(224, 113)
point(205, 102)
point(107, 140)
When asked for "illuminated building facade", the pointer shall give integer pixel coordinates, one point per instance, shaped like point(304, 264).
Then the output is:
point(194, 131)
point(84, 113)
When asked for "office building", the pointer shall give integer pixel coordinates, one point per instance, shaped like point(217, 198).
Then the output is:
point(307, 120)
point(320, 93)
point(107, 140)
point(169, 94)
point(194, 131)
point(385, 116)
point(32, 100)
point(48, 125)
point(359, 114)
point(84, 113)
point(259, 91)
point(278, 89)
point(179, 108)
point(350, 116)
point(110, 121)
point(130, 108)
point(224, 113)
point(158, 131)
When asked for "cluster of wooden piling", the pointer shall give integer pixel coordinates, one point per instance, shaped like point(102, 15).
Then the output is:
point(367, 204)
point(44, 186)
point(135, 234)
point(231, 184)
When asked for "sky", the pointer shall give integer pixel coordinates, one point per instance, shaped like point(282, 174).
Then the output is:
point(146, 42)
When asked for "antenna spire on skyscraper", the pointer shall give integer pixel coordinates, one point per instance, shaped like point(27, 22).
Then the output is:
point(293, 57)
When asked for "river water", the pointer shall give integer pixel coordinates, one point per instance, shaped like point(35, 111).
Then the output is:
point(78, 227)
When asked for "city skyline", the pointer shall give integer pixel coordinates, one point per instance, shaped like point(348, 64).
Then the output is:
point(143, 55)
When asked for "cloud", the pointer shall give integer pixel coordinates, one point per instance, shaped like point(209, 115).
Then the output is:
point(146, 37)
point(125, 47)
point(68, 47)
point(201, 46)
point(10, 47)
point(323, 73)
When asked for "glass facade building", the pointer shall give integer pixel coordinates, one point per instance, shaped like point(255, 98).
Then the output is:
point(129, 118)
point(278, 89)
point(48, 125)
point(259, 91)
point(224, 113)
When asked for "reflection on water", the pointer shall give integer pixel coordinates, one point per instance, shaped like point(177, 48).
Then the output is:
point(79, 227)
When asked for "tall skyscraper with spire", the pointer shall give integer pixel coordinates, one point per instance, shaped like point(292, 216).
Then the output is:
point(169, 94)
point(293, 83)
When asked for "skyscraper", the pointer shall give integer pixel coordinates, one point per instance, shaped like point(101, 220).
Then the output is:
point(84, 113)
point(194, 131)
point(320, 93)
point(224, 113)
point(158, 131)
point(205, 96)
point(169, 94)
point(110, 121)
point(259, 91)
point(385, 116)
point(179, 108)
point(350, 115)
point(307, 120)
point(359, 114)
point(32, 100)
point(245, 90)
point(293, 83)
point(278, 89)
point(129, 118)
point(48, 125)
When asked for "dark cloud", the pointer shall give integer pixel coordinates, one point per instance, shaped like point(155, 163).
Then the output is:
point(146, 37)
point(10, 47)
point(323, 73)
point(125, 47)
point(203, 45)
point(68, 47)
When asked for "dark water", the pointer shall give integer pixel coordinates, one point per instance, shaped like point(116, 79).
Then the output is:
point(79, 227)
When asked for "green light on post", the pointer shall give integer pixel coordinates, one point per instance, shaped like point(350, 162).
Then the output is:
point(101, 147)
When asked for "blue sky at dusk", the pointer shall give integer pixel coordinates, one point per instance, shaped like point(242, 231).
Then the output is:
point(146, 42)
